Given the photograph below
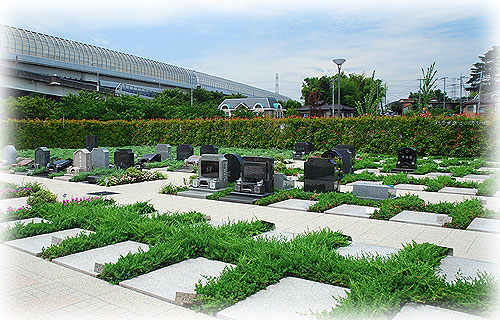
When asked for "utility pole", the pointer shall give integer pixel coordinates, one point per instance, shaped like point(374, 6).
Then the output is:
point(277, 84)
point(444, 92)
point(479, 94)
point(420, 91)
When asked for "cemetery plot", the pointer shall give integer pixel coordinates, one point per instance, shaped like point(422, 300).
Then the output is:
point(277, 234)
point(352, 210)
point(34, 245)
point(454, 267)
point(180, 277)
point(294, 204)
point(92, 261)
point(290, 298)
point(358, 250)
point(485, 224)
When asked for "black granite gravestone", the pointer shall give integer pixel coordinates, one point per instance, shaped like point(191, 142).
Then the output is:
point(302, 149)
point(124, 158)
point(346, 161)
point(257, 175)
point(150, 157)
point(349, 147)
point(321, 175)
point(42, 157)
point(59, 166)
point(337, 157)
point(184, 151)
point(209, 149)
point(233, 166)
point(91, 142)
point(407, 160)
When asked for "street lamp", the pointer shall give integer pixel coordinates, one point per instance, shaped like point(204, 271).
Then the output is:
point(338, 62)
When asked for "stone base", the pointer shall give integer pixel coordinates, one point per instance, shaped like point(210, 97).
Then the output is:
point(404, 170)
point(66, 177)
point(93, 179)
point(240, 197)
point(199, 193)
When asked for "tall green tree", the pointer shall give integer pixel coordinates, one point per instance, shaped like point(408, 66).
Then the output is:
point(485, 72)
point(30, 107)
point(428, 85)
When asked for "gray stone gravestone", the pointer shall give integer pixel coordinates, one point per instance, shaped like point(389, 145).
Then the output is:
point(184, 151)
point(100, 158)
point(209, 149)
point(9, 154)
point(124, 158)
point(282, 182)
point(302, 149)
point(373, 191)
point(212, 172)
point(320, 174)
point(165, 151)
point(42, 157)
point(82, 158)
point(91, 142)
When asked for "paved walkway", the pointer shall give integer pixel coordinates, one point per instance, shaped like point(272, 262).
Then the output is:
point(38, 289)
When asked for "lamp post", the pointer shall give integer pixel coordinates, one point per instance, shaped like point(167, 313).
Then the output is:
point(338, 62)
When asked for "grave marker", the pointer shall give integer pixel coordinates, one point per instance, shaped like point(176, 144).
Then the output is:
point(59, 166)
point(233, 166)
point(349, 147)
point(257, 175)
point(124, 158)
point(407, 160)
point(82, 158)
point(165, 151)
point(184, 151)
point(212, 172)
point(91, 142)
point(100, 158)
point(321, 174)
point(302, 149)
point(9, 154)
point(42, 157)
point(209, 149)
point(150, 157)
point(373, 191)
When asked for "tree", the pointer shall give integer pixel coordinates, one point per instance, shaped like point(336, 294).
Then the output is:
point(371, 99)
point(291, 107)
point(486, 72)
point(30, 107)
point(428, 85)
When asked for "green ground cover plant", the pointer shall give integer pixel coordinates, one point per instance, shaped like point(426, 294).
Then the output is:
point(11, 190)
point(172, 189)
point(104, 172)
point(378, 287)
point(131, 175)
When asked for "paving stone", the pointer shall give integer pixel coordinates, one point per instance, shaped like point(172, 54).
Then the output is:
point(450, 266)
point(352, 210)
point(485, 224)
point(438, 174)
point(291, 298)
point(466, 191)
point(413, 311)
point(358, 249)
point(424, 218)
point(86, 261)
point(476, 176)
point(362, 181)
point(410, 187)
point(13, 223)
point(294, 204)
point(373, 170)
point(277, 234)
point(180, 277)
point(34, 245)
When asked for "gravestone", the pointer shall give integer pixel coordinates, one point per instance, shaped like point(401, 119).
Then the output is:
point(209, 149)
point(91, 142)
point(346, 161)
point(42, 157)
point(192, 160)
point(82, 158)
point(233, 166)
point(124, 158)
point(165, 151)
point(9, 154)
point(302, 149)
point(349, 147)
point(282, 182)
point(407, 159)
point(257, 175)
point(321, 175)
point(150, 157)
point(100, 158)
point(373, 191)
point(59, 166)
point(212, 172)
point(184, 151)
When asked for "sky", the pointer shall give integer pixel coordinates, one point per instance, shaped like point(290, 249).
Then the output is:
point(251, 41)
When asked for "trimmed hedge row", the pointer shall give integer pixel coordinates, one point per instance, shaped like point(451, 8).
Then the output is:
point(451, 136)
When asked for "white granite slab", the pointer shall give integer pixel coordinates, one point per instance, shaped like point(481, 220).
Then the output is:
point(424, 218)
point(453, 190)
point(358, 249)
point(34, 245)
point(413, 311)
point(450, 266)
point(13, 223)
point(180, 277)
point(277, 234)
point(352, 210)
point(290, 299)
point(410, 187)
point(294, 204)
point(85, 261)
point(437, 174)
point(485, 224)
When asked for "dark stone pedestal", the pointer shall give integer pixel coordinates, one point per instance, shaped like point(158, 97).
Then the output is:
point(404, 170)
point(200, 193)
point(240, 197)
point(93, 179)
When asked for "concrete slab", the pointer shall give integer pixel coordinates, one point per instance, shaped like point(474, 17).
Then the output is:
point(180, 277)
point(85, 261)
point(352, 210)
point(476, 176)
point(277, 234)
point(34, 245)
point(373, 170)
point(13, 203)
point(423, 218)
point(291, 298)
point(358, 249)
point(410, 187)
point(437, 174)
point(363, 181)
point(413, 311)
point(465, 191)
point(294, 204)
point(13, 223)
point(486, 169)
point(485, 224)
point(450, 266)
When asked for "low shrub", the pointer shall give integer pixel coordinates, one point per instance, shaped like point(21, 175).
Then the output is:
point(172, 189)
point(41, 197)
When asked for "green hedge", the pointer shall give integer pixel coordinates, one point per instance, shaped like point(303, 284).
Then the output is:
point(453, 136)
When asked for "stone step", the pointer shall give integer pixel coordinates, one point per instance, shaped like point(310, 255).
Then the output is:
point(291, 298)
point(181, 277)
point(294, 204)
point(34, 245)
point(90, 262)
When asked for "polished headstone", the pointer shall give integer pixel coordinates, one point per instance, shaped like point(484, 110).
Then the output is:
point(124, 158)
point(233, 166)
point(184, 151)
point(407, 160)
point(350, 147)
point(100, 158)
point(347, 158)
point(9, 154)
point(82, 158)
point(150, 157)
point(91, 142)
point(165, 151)
point(320, 174)
point(42, 157)
point(209, 149)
